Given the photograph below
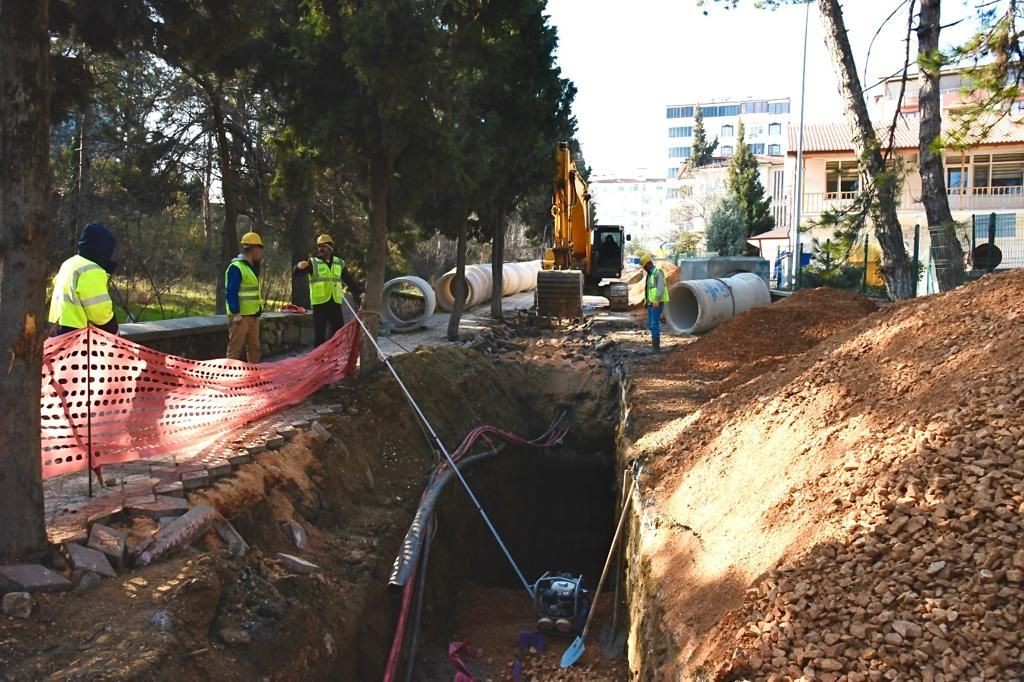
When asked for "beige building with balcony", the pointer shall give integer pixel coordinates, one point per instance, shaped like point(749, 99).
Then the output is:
point(984, 177)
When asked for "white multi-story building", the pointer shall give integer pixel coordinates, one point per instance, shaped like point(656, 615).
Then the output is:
point(766, 121)
point(639, 203)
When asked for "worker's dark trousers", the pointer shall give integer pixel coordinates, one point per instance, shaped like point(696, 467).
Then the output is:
point(326, 315)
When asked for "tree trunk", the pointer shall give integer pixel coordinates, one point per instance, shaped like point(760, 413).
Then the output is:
point(230, 189)
point(946, 252)
point(497, 263)
point(208, 231)
point(82, 208)
point(25, 223)
point(459, 287)
point(300, 228)
point(896, 270)
point(380, 186)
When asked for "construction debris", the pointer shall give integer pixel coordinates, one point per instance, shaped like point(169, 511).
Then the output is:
point(181, 532)
point(109, 541)
point(17, 604)
point(296, 564)
point(88, 559)
point(31, 578)
point(161, 506)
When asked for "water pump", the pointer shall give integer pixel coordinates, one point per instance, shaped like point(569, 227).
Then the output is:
point(561, 602)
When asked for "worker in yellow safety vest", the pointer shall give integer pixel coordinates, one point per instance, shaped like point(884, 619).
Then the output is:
point(329, 281)
point(655, 298)
point(80, 290)
point(244, 300)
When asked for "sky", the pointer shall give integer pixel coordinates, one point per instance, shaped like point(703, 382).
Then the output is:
point(630, 59)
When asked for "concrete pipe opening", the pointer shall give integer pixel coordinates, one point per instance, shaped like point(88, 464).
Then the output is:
point(408, 303)
point(478, 287)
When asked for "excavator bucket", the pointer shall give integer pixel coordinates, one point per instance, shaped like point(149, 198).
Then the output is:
point(560, 294)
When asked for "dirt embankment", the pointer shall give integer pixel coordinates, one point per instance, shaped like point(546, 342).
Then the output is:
point(849, 513)
point(205, 615)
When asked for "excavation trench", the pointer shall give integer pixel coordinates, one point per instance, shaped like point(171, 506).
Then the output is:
point(556, 511)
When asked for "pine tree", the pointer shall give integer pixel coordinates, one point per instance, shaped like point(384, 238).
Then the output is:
point(725, 234)
point(744, 183)
point(702, 152)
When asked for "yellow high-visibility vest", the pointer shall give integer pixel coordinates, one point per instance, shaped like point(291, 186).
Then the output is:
point(652, 287)
point(325, 281)
point(80, 295)
point(249, 302)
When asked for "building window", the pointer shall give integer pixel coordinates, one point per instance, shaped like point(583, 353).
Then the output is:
point(778, 108)
point(727, 131)
point(760, 107)
point(754, 132)
point(726, 151)
point(756, 149)
point(679, 112)
point(774, 128)
point(679, 152)
point(672, 172)
point(721, 110)
point(956, 180)
point(774, 150)
point(1006, 227)
point(842, 178)
point(999, 174)
point(685, 131)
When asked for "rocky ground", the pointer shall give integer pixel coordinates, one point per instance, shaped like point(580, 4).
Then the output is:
point(844, 512)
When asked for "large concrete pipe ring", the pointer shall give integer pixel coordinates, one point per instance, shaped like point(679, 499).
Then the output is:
point(516, 278)
point(391, 296)
point(700, 305)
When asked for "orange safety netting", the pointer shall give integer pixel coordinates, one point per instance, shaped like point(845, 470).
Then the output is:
point(147, 404)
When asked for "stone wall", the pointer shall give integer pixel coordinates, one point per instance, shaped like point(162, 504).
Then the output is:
point(205, 338)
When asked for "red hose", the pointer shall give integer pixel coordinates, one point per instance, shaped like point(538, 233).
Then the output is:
point(396, 642)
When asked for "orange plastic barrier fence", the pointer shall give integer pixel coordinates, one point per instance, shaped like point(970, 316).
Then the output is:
point(147, 404)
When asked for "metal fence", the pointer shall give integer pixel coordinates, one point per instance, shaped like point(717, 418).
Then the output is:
point(991, 242)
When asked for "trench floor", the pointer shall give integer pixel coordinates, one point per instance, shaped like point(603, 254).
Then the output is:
point(490, 620)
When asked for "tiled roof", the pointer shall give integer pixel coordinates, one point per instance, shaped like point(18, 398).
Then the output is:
point(835, 137)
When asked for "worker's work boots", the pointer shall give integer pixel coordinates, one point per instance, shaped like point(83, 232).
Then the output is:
point(656, 343)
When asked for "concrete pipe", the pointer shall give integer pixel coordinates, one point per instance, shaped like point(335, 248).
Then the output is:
point(393, 308)
point(516, 277)
point(700, 305)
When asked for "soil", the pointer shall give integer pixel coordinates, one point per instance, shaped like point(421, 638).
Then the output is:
point(203, 614)
point(829, 492)
point(845, 510)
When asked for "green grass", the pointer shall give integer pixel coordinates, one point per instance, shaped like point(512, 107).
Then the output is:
point(186, 302)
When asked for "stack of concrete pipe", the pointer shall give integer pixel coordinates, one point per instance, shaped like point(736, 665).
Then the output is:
point(517, 277)
point(699, 305)
point(391, 287)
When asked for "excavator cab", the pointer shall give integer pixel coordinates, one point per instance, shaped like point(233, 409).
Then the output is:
point(608, 247)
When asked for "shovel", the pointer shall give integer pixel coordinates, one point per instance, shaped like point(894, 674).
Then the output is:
point(576, 649)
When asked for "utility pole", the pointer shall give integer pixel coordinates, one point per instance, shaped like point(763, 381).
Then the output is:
point(800, 158)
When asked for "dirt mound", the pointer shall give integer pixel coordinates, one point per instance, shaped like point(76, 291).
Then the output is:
point(790, 326)
point(857, 508)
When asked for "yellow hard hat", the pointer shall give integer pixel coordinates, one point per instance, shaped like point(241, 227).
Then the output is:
point(324, 239)
point(251, 239)
point(645, 259)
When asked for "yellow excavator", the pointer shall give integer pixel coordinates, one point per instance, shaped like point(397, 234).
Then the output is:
point(582, 257)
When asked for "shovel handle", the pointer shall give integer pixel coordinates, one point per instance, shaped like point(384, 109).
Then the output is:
point(608, 561)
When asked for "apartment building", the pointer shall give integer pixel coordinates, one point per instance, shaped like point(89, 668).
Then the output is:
point(766, 121)
point(638, 202)
point(985, 177)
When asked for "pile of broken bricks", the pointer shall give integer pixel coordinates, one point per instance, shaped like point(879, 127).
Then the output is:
point(103, 551)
